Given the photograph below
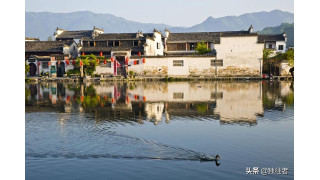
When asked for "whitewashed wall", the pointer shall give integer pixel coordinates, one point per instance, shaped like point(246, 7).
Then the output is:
point(241, 55)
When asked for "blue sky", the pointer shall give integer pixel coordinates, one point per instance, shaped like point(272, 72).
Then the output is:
point(172, 12)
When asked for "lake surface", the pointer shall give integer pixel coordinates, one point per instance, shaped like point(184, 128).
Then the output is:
point(158, 130)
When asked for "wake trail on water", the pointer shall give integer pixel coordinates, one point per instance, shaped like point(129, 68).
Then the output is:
point(109, 145)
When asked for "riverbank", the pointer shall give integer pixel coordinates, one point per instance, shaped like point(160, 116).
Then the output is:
point(168, 79)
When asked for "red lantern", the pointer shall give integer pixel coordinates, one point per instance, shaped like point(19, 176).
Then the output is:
point(135, 62)
point(39, 63)
point(100, 53)
point(73, 62)
point(105, 98)
point(111, 59)
point(82, 53)
point(49, 63)
point(97, 61)
point(144, 98)
point(112, 100)
point(82, 98)
point(67, 61)
point(144, 60)
point(139, 54)
point(105, 62)
point(58, 62)
point(81, 63)
point(127, 59)
point(135, 96)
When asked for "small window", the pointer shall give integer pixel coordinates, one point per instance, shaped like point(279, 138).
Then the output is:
point(270, 46)
point(91, 43)
point(135, 43)
point(178, 95)
point(110, 43)
point(158, 45)
point(192, 46)
point(216, 95)
point(177, 62)
point(45, 65)
point(217, 62)
point(280, 47)
point(116, 43)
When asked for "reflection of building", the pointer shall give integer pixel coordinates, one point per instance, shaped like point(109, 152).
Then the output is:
point(236, 102)
point(241, 102)
point(154, 111)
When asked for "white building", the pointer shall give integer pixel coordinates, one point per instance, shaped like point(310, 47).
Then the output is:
point(274, 42)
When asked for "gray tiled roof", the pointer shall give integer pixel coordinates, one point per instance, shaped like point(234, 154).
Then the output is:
point(271, 37)
point(46, 46)
point(122, 36)
point(111, 48)
point(75, 34)
point(206, 36)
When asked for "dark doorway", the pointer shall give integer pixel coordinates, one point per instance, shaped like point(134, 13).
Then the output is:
point(33, 69)
point(60, 69)
point(121, 70)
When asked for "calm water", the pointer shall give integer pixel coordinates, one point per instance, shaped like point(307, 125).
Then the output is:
point(159, 130)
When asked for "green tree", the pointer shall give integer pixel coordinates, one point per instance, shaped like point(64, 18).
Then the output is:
point(202, 48)
point(89, 63)
point(289, 55)
point(266, 54)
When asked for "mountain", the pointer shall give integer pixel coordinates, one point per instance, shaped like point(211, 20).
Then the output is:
point(284, 27)
point(43, 24)
point(259, 20)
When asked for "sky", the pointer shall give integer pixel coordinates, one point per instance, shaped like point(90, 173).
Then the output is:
point(172, 12)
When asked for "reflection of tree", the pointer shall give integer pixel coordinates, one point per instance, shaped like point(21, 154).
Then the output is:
point(202, 108)
point(272, 93)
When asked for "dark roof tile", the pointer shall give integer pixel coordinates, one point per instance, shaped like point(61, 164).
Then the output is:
point(46, 46)
point(271, 37)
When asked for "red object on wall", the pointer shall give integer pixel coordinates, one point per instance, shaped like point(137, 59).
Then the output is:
point(105, 62)
point(135, 62)
point(58, 62)
point(111, 59)
point(144, 60)
point(67, 61)
point(100, 53)
point(97, 61)
point(82, 98)
point(139, 54)
point(82, 53)
point(135, 96)
point(144, 98)
point(49, 63)
point(81, 64)
point(73, 62)
point(39, 63)
point(127, 59)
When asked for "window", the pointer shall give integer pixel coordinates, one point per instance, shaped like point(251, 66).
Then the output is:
point(280, 47)
point(192, 46)
point(116, 43)
point(110, 43)
point(177, 62)
point(158, 45)
point(216, 95)
point(216, 62)
point(91, 43)
point(135, 43)
point(45, 65)
point(178, 95)
point(270, 46)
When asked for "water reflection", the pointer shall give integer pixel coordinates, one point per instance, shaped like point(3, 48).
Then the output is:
point(228, 102)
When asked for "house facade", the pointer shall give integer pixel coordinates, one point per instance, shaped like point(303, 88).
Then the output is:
point(274, 42)
point(49, 56)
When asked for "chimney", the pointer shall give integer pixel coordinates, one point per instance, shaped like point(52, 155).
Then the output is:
point(250, 30)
